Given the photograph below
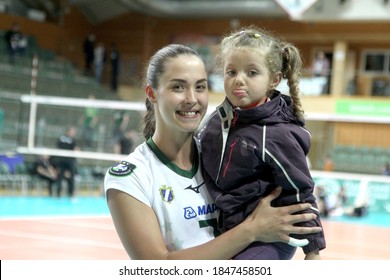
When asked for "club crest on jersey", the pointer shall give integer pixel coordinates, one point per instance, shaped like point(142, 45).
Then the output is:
point(122, 168)
point(166, 194)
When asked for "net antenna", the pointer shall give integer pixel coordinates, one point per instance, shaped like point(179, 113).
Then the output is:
point(33, 106)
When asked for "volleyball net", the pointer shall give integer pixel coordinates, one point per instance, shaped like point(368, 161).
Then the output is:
point(43, 119)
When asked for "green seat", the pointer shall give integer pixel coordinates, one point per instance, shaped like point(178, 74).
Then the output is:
point(1, 121)
point(4, 169)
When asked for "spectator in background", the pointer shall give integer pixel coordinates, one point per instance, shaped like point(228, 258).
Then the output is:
point(321, 65)
point(328, 164)
point(88, 48)
point(322, 200)
point(89, 125)
point(386, 169)
point(337, 209)
point(321, 68)
point(114, 63)
point(121, 120)
point(67, 166)
point(46, 171)
point(15, 41)
point(341, 197)
point(127, 142)
point(361, 205)
point(99, 61)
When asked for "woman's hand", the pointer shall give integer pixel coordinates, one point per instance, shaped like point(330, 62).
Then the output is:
point(275, 224)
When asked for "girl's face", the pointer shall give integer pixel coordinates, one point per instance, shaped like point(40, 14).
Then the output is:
point(247, 78)
point(182, 95)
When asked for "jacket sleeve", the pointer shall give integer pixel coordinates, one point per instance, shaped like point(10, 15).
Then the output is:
point(285, 152)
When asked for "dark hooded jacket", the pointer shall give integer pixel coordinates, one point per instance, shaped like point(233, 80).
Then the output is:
point(265, 147)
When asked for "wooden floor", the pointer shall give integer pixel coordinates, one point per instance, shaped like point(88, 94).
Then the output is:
point(354, 242)
point(94, 238)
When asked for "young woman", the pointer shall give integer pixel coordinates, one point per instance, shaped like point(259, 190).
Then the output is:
point(256, 139)
point(157, 197)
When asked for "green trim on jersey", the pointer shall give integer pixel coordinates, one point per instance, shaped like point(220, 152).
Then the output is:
point(185, 173)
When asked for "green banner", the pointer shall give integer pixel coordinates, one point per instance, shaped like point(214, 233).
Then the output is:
point(363, 108)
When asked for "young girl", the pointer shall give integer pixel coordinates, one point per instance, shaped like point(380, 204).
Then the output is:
point(158, 201)
point(256, 139)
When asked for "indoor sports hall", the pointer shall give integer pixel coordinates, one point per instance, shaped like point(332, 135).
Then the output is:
point(48, 85)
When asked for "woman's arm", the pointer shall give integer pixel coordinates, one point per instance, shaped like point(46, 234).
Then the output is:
point(139, 230)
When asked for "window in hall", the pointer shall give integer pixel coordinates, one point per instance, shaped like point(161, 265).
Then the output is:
point(376, 61)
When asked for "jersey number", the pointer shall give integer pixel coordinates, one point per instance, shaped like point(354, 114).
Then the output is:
point(210, 223)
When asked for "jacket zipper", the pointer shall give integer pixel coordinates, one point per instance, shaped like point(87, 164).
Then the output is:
point(235, 118)
point(230, 157)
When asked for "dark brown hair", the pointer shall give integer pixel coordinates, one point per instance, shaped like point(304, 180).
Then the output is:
point(154, 70)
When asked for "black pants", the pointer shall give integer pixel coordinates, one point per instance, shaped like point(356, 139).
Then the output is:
point(67, 171)
point(50, 183)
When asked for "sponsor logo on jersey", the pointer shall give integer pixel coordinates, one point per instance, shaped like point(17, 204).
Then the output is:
point(122, 168)
point(207, 209)
point(190, 213)
point(195, 189)
point(166, 194)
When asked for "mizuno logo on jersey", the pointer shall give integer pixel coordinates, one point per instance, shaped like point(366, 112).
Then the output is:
point(195, 189)
point(190, 213)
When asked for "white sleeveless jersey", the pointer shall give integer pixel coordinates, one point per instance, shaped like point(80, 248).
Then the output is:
point(184, 209)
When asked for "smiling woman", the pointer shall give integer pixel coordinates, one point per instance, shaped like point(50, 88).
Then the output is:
point(180, 91)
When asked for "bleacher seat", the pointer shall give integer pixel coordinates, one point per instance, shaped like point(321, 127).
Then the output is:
point(360, 159)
